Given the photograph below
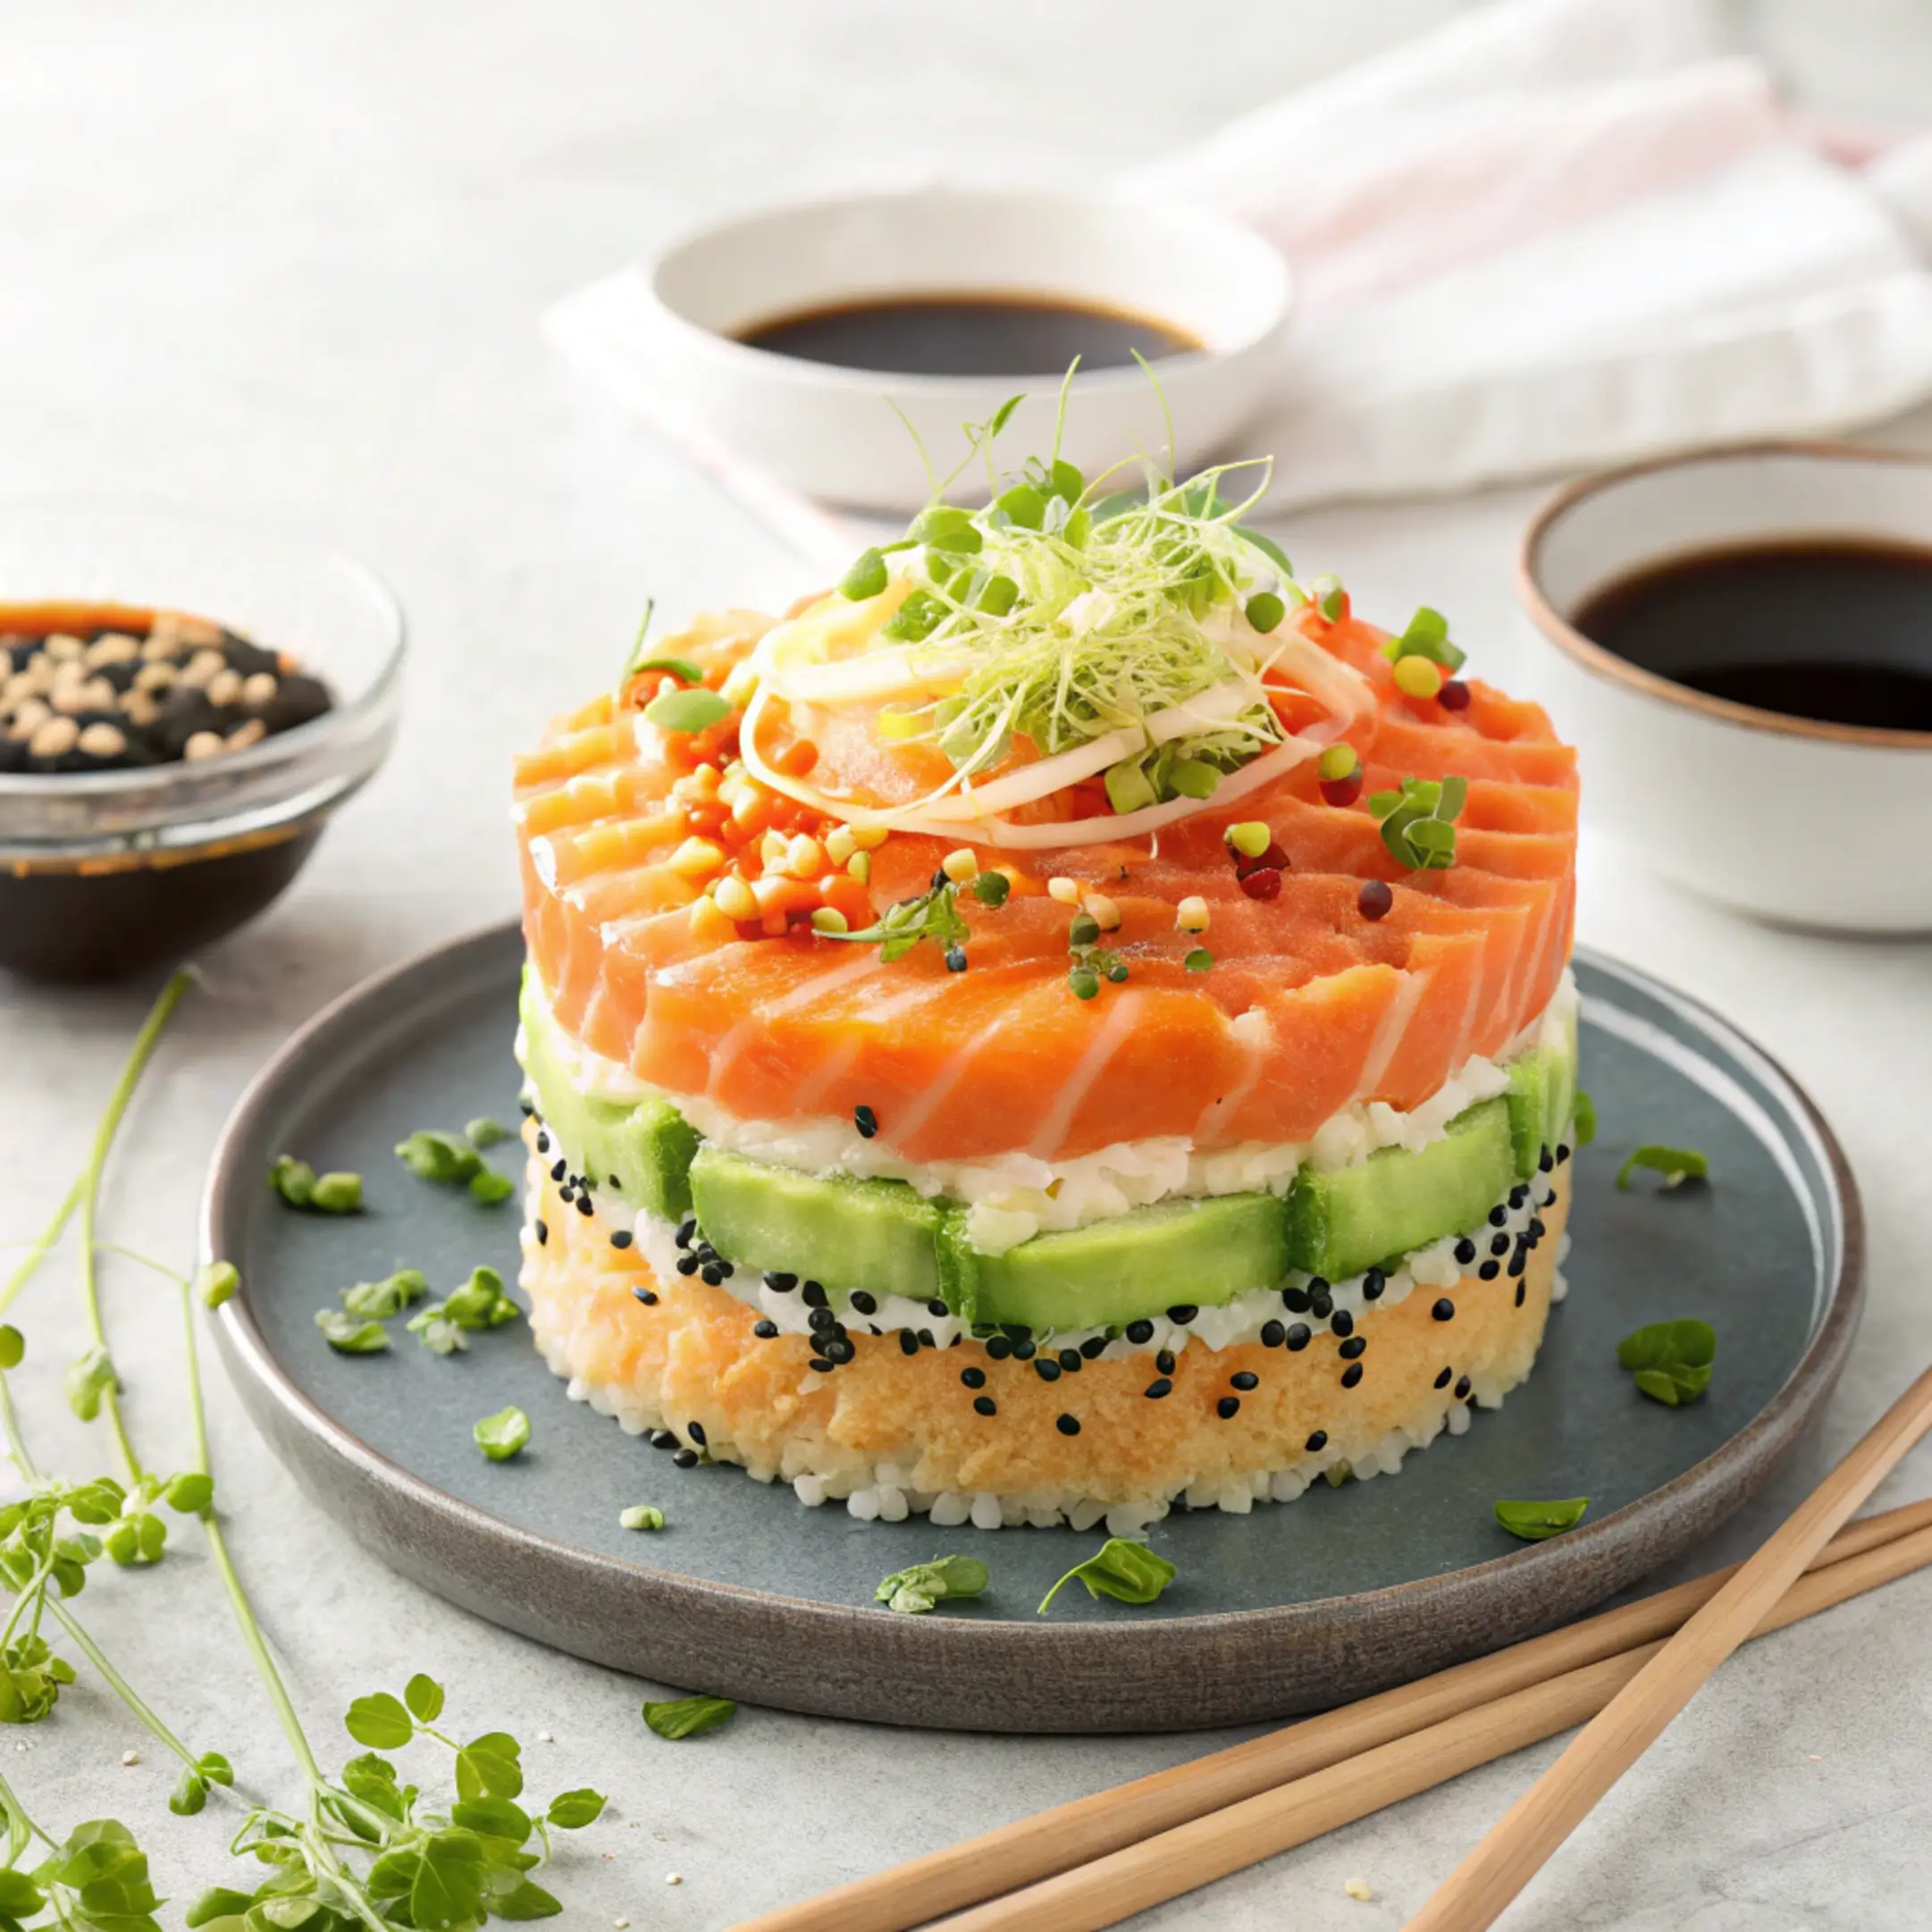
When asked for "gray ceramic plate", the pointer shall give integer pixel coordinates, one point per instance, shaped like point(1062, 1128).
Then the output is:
point(749, 1594)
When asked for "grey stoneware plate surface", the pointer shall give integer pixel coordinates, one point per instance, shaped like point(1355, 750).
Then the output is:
point(749, 1594)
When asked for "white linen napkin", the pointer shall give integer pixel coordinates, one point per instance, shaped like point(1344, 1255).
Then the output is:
point(1550, 234)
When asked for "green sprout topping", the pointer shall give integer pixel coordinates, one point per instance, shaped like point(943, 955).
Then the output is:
point(1672, 1360)
point(912, 1591)
point(1128, 1572)
point(1427, 636)
point(1199, 959)
point(694, 710)
point(1536, 1522)
point(1676, 1164)
point(1418, 822)
point(934, 915)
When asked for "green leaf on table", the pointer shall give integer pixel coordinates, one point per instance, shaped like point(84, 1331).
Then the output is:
point(448, 1888)
point(190, 1493)
point(523, 1900)
point(918, 1588)
point(485, 1132)
point(489, 1187)
point(1533, 1522)
point(502, 1435)
point(89, 1380)
point(490, 1766)
point(13, 1346)
point(377, 1301)
point(347, 1335)
point(572, 1810)
point(482, 1302)
point(294, 1180)
point(189, 1794)
point(423, 1696)
point(380, 1721)
point(1676, 1164)
point(688, 1717)
point(430, 1153)
point(1120, 1569)
point(1671, 1360)
point(137, 1539)
point(219, 1902)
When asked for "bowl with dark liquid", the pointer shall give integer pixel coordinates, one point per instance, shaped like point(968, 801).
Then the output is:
point(1740, 643)
point(809, 339)
point(184, 702)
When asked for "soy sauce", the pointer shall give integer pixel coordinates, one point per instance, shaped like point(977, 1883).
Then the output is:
point(1837, 631)
point(1015, 335)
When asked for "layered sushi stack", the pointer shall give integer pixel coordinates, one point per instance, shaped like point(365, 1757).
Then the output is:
point(1071, 1021)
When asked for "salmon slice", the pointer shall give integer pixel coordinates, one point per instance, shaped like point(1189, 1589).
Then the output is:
point(1309, 1005)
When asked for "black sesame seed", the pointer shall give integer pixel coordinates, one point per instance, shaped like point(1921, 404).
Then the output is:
point(1322, 1307)
point(1246, 1380)
point(1072, 1361)
point(821, 1320)
point(649, 1300)
point(1522, 1289)
point(1442, 1381)
point(863, 1302)
point(1351, 1375)
point(764, 1330)
point(712, 1273)
point(1466, 1251)
point(1164, 1362)
point(621, 1238)
point(560, 1170)
point(583, 1205)
point(1352, 1348)
point(939, 881)
point(687, 1264)
point(695, 1430)
point(612, 1182)
point(662, 1439)
point(1518, 1261)
point(1498, 1215)
point(998, 1347)
point(822, 1366)
point(984, 1405)
point(938, 1307)
point(566, 1196)
point(1092, 1348)
point(1373, 1283)
point(1182, 1312)
point(1317, 1285)
point(1498, 1244)
point(955, 958)
point(1157, 1388)
point(838, 1350)
point(1318, 1441)
point(1462, 1388)
point(907, 1342)
point(781, 1284)
point(1046, 1369)
point(543, 1143)
point(973, 1378)
point(1518, 1195)
point(1563, 1153)
point(1537, 1230)
point(1067, 1425)
point(812, 1294)
point(1444, 1309)
point(1298, 1335)
point(1141, 1331)
point(866, 1122)
point(926, 1341)
point(1272, 1334)
point(1489, 1270)
point(543, 1234)
point(685, 1458)
point(1546, 1162)
point(1024, 1350)
point(527, 1108)
point(1295, 1300)
point(1343, 1322)
point(1228, 1407)
point(687, 1232)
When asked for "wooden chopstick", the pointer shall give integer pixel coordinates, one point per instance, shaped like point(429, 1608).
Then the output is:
point(1129, 1881)
point(1552, 1808)
point(1089, 1828)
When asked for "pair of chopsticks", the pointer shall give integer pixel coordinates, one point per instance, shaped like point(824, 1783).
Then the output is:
point(1099, 1860)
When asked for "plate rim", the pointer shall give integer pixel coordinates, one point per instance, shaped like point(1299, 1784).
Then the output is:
point(318, 1447)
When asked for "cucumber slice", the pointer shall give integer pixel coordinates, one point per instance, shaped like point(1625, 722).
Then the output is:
point(1115, 1270)
point(642, 1151)
point(877, 1235)
point(1341, 1222)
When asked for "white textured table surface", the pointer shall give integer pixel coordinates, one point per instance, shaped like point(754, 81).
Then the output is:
point(290, 260)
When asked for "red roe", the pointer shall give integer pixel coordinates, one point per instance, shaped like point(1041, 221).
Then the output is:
point(1261, 881)
point(1275, 859)
point(1454, 695)
point(1375, 899)
point(1342, 791)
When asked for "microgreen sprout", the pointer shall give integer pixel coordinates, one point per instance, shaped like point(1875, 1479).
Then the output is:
point(934, 915)
point(1426, 637)
point(641, 1517)
point(917, 1589)
point(692, 710)
point(1536, 1522)
point(1120, 1568)
point(1671, 1360)
point(485, 1132)
point(688, 1717)
point(298, 1184)
point(1676, 1164)
point(503, 1435)
point(1418, 822)
point(451, 1160)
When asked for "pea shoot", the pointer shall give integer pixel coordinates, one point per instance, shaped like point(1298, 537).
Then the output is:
point(298, 1184)
point(1670, 1361)
point(503, 1435)
point(689, 1716)
point(1676, 1164)
point(914, 1590)
point(685, 712)
point(449, 1160)
point(1533, 1523)
point(1418, 822)
point(934, 915)
point(1127, 1571)
point(641, 1517)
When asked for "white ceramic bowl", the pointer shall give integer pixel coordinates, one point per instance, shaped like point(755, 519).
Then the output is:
point(829, 432)
point(1802, 822)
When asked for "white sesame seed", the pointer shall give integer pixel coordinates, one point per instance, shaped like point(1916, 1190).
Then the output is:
point(1358, 1888)
point(544, 1737)
point(674, 1878)
point(130, 1757)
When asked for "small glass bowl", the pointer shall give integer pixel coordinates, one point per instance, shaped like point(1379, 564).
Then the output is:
point(106, 873)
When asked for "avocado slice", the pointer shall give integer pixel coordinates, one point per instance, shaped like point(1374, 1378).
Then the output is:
point(1115, 1270)
point(642, 1150)
point(1541, 1096)
point(878, 1235)
point(1341, 1222)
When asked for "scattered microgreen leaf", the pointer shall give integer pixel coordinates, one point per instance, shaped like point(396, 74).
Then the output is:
point(502, 1435)
point(348, 1334)
point(1676, 1164)
point(1671, 1360)
point(641, 1517)
point(489, 1187)
point(485, 1132)
point(89, 1378)
point(294, 1180)
point(934, 915)
point(867, 577)
point(917, 1589)
point(1426, 637)
point(688, 1717)
point(13, 1346)
point(298, 1184)
point(378, 1301)
point(992, 888)
point(1198, 959)
point(694, 709)
point(1586, 1119)
point(1418, 822)
point(1120, 1569)
point(431, 1153)
point(217, 1283)
point(1533, 1522)
point(572, 1810)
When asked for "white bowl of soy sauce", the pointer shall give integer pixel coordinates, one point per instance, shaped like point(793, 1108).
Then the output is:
point(825, 341)
point(1740, 645)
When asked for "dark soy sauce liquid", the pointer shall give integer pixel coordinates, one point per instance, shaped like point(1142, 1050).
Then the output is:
point(1836, 631)
point(1017, 335)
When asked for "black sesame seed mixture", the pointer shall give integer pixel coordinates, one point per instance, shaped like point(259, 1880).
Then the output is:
point(106, 699)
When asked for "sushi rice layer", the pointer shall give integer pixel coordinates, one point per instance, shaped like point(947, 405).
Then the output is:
point(892, 1433)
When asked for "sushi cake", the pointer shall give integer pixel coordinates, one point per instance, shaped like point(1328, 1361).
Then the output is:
point(1073, 1020)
